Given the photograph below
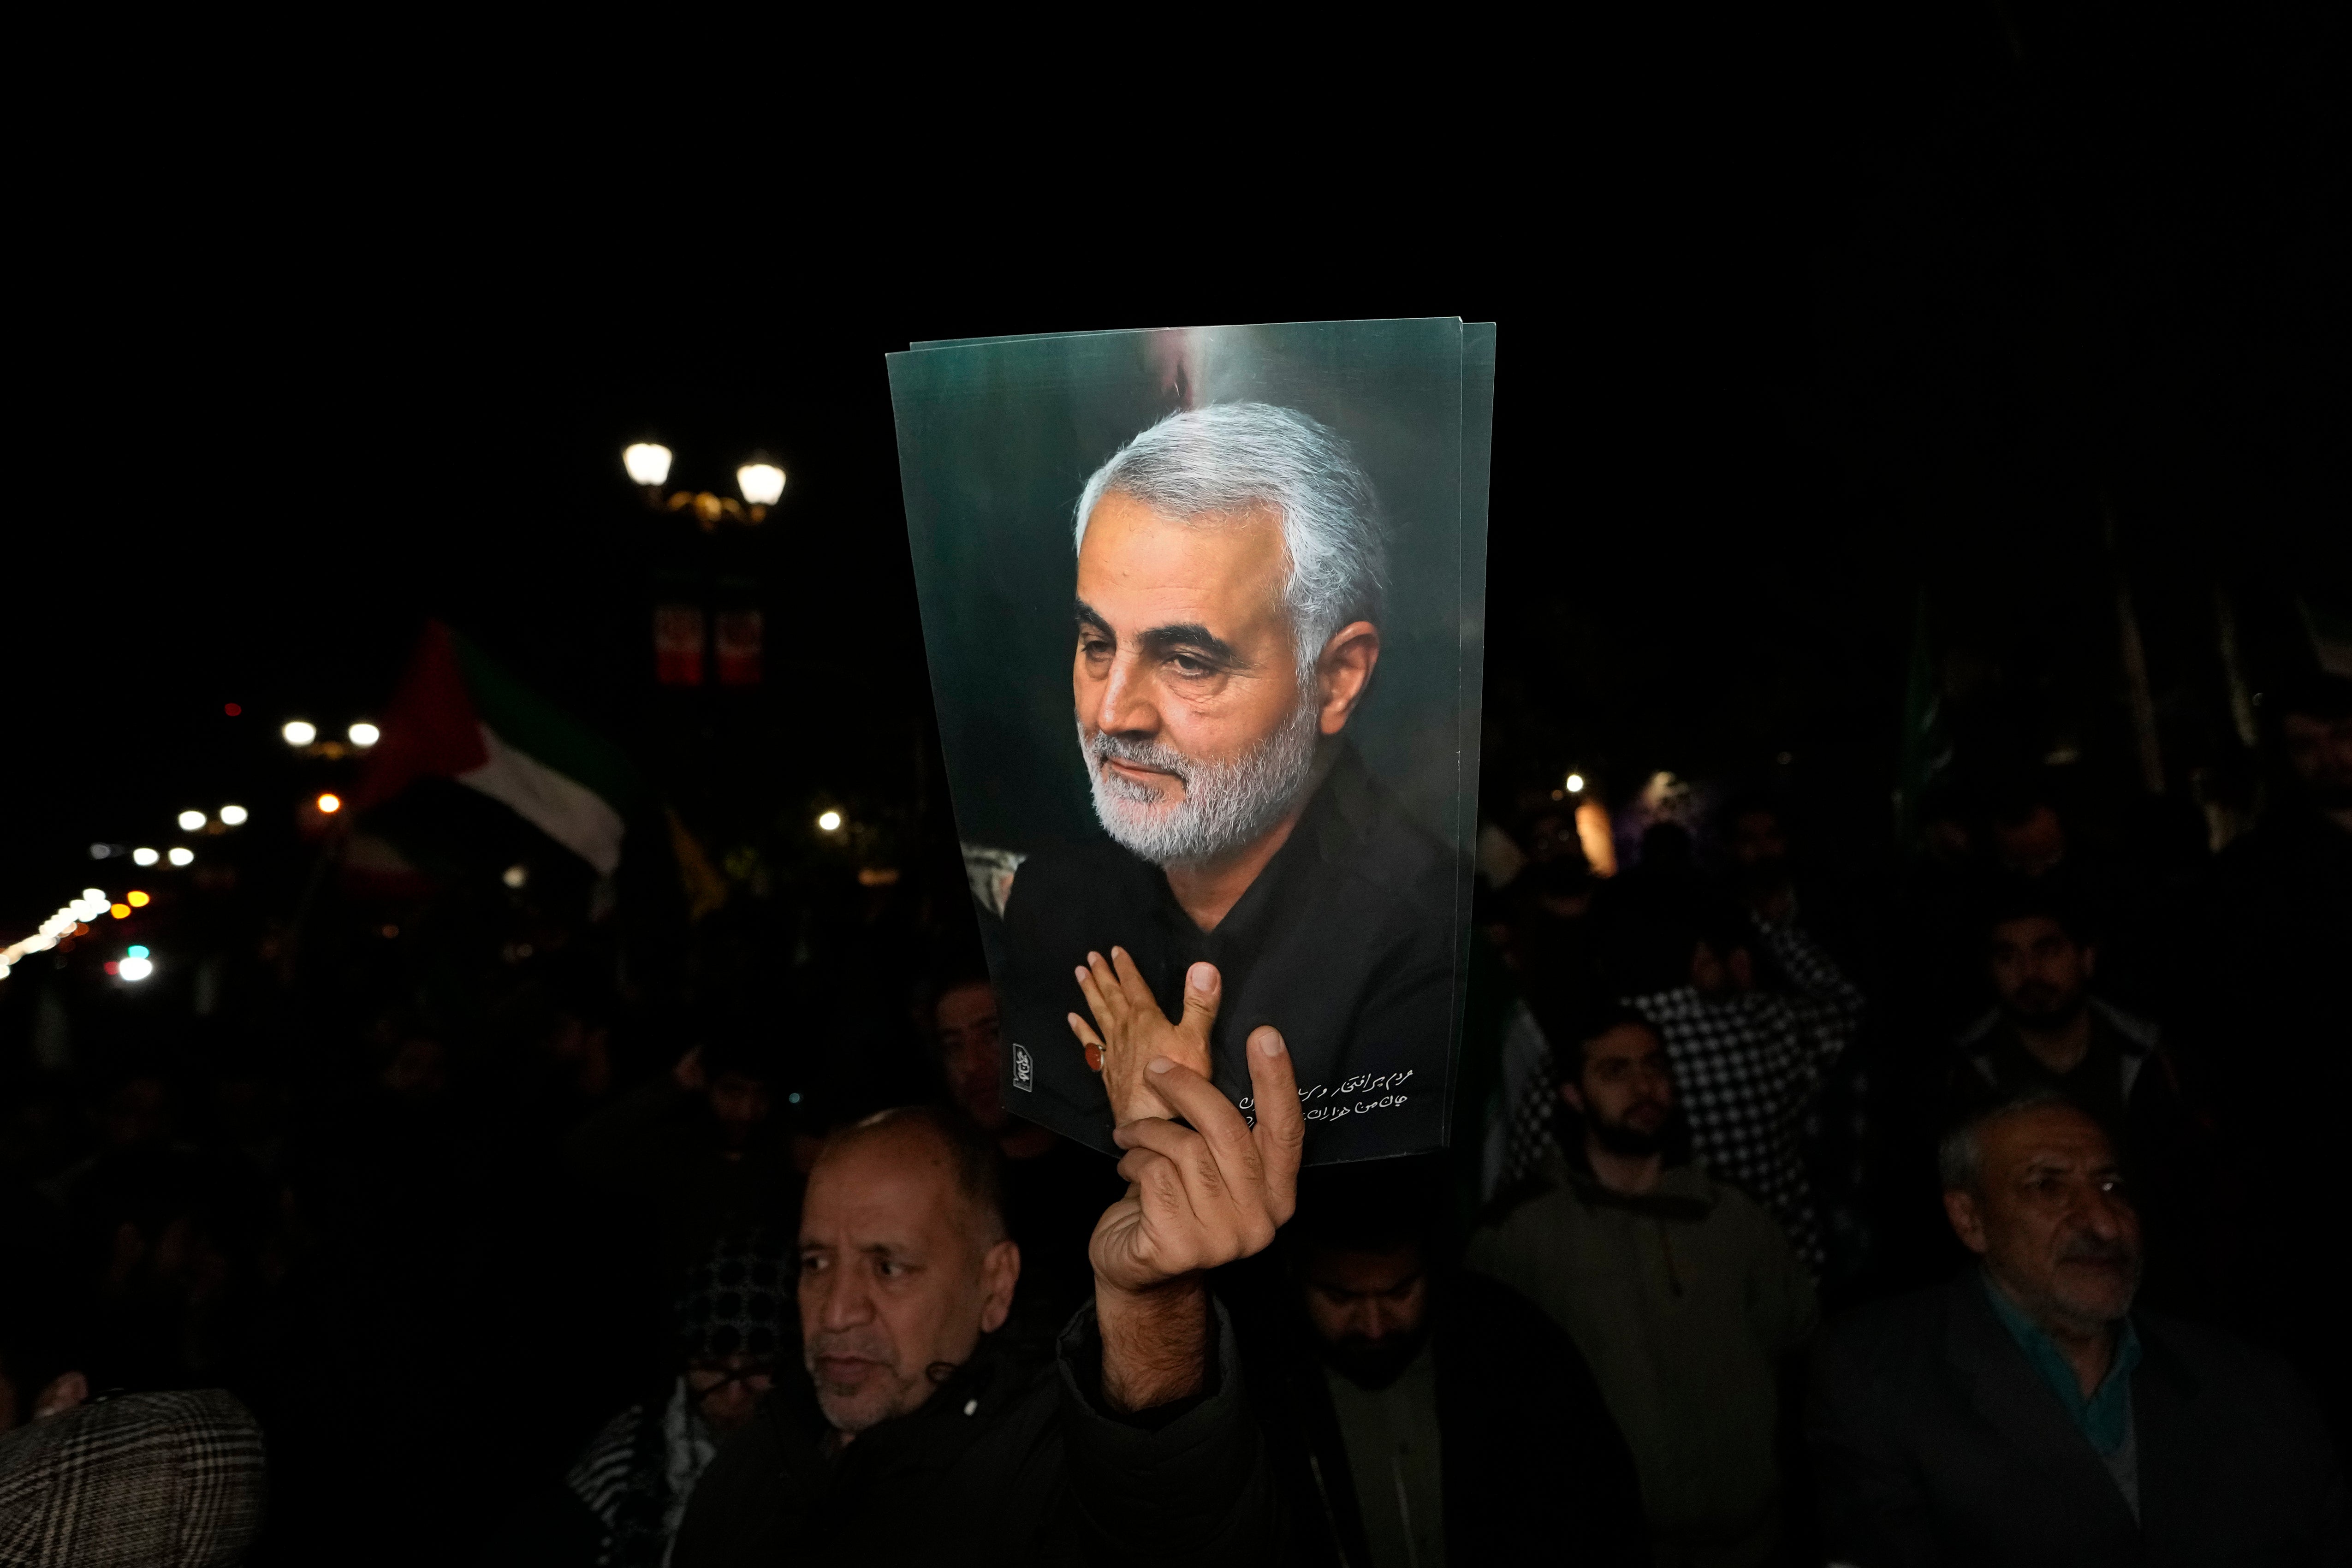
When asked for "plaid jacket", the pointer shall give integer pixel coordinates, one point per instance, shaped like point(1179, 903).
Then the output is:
point(142, 1481)
point(1745, 1068)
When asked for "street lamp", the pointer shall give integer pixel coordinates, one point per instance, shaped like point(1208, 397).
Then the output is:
point(759, 479)
point(761, 482)
point(647, 463)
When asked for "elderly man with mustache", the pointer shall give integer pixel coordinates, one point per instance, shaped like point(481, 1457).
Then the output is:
point(916, 1435)
point(2028, 1412)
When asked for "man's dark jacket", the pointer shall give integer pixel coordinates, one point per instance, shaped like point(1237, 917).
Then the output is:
point(1346, 942)
point(1533, 1468)
point(1007, 1463)
point(1936, 1441)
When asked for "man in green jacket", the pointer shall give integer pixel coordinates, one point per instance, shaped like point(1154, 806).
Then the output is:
point(1682, 1294)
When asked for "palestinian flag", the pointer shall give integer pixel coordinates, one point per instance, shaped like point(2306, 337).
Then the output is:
point(460, 715)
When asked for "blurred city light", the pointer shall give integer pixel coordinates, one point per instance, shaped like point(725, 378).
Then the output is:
point(1576, 783)
point(138, 949)
point(100, 851)
point(191, 821)
point(647, 462)
point(135, 969)
point(120, 911)
point(233, 816)
point(93, 895)
point(329, 804)
point(364, 734)
point(299, 731)
point(829, 821)
point(762, 483)
point(1593, 835)
point(231, 708)
point(143, 856)
point(181, 856)
point(515, 877)
point(135, 899)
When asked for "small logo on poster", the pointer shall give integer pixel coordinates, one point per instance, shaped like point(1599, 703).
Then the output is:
point(1024, 1071)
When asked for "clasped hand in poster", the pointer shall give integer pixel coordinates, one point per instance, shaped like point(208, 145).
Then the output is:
point(1134, 1030)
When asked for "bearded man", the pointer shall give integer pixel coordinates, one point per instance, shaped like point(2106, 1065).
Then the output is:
point(1684, 1295)
point(1230, 567)
point(2049, 1032)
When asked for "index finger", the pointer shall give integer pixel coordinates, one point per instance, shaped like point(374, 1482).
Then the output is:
point(1217, 1118)
point(1281, 1132)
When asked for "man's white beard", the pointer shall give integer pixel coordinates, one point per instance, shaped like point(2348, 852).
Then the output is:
point(1225, 805)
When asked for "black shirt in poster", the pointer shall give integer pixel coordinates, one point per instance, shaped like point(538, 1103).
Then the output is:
point(1346, 942)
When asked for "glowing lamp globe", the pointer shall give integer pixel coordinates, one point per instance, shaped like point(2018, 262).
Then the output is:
point(647, 463)
point(762, 483)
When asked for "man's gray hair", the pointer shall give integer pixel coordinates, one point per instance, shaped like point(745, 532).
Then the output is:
point(1237, 457)
point(1960, 1157)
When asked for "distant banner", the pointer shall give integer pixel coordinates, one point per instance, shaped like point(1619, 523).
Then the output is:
point(678, 645)
point(737, 640)
point(1204, 611)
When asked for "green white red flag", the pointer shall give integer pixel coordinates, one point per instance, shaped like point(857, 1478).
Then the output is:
point(458, 714)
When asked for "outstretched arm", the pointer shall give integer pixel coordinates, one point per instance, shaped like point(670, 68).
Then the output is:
point(1198, 1197)
point(1828, 1004)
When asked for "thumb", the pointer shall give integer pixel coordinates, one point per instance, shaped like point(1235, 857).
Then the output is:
point(1203, 989)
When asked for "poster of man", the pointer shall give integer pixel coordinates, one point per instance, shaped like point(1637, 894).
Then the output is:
point(1202, 609)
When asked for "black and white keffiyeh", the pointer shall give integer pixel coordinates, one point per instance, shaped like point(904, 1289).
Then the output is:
point(638, 1472)
point(637, 1475)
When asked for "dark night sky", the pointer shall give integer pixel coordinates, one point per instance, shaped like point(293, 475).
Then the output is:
point(1792, 324)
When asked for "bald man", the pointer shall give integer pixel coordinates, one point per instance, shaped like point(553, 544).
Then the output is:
point(2029, 1412)
point(914, 1435)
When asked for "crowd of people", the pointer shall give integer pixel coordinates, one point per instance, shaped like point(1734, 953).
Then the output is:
point(1979, 1215)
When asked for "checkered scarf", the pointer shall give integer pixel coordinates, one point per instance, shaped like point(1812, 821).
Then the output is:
point(140, 1480)
point(738, 1301)
point(637, 1474)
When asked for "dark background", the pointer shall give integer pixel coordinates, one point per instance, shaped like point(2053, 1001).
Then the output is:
point(1801, 317)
